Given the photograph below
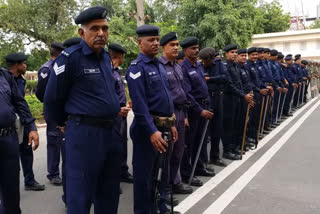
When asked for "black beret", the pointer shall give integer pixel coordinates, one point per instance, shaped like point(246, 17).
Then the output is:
point(288, 57)
point(266, 50)
point(217, 54)
point(297, 56)
point(90, 14)
point(118, 48)
point(57, 45)
point(72, 41)
point(172, 36)
point(16, 57)
point(260, 50)
point(189, 41)
point(273, 52)
point(242, 51)
point(280, 56)
point(230, 47)
point(252, 49)
point(148, 30)
point(180, 55)
point(305, 62)
point(207, 53)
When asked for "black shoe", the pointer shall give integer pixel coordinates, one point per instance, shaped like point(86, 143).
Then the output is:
point(195, 182)
point(266, 132)
point(57, 181)
point(210, 169)
point(174, 212)
point(219, 162)
point(237, 151)
point(182, 189)
point(246, 148)
point(127, 178)
point(204, 172)
point(231, 156)
point(267, 129)
point(252, 146)
point(175, 201)
point(273, 125)
point(34, 187)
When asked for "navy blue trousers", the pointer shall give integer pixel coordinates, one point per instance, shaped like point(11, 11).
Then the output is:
point(93, 159)
point(54, 141)
point(9, 175)
point(26, 156)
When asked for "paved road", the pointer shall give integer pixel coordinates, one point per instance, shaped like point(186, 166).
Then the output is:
point(282, 176)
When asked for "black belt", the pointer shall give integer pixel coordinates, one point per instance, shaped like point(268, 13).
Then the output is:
point(216, 93)
point(269, 83)
point(93, 121)
point(6, 131)
point(179, 107)
point(202, 101)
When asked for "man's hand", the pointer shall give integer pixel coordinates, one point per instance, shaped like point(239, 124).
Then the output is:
point(186, 122)
point(270, 90)
point(207, 78)
point(174, 134)
point(206, 114)
point(158, 142)
point(285, 90)
point(295, 85)
point(62, 129)
point(300, 83)
point(248, 98)
point(252, 104)
point(124, 111)
point(279, 89)
point(33, 136)
point(264, 91)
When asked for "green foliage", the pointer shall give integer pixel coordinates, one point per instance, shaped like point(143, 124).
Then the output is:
point(37, 58)
point(36, 107)
point(31, 86)
point(271, 18)
point(315, 24)
point(9, 45)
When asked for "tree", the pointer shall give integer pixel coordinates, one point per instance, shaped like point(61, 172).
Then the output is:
point(9, 43)
point(272, 18)
point(38, 20)
point(36, 58)
point(315, 24)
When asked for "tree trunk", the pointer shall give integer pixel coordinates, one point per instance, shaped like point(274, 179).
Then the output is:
point(140, 12)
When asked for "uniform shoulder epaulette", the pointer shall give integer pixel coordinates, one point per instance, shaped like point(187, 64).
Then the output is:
point(225, 63)
point(67, 52)
point(135, 62)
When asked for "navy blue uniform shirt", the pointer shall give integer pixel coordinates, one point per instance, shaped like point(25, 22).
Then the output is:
point(149, 91)
point(247, 83)
point(253, 71)
point(43, 77)
point(195, 83)
point(81, 83)
point(218, 77)
point(235, 85)
point(176, 82)
point(12, 102)
point(265, 73)
point(276, 73)
point(121, 92)
point(299, 72)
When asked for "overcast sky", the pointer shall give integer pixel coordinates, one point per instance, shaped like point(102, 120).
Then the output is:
point(294, 7)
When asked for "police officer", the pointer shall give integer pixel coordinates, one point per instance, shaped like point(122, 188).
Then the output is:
point(216, 77)
point(299, 79)
point(170, 47)
point(153, 116)
point(197, 91)
point(281, 65)
point(306, 77)
point(54, 134)
point(180, 57)
point(233, 94)
point(259, 90)
point(117, 52)
point(12, 103)
point(16, 63)
point(81, 94)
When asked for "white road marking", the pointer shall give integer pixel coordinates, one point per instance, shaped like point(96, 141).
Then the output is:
point(227, 197)
point(195, 197)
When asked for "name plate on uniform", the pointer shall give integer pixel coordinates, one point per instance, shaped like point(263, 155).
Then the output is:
point(92, 71)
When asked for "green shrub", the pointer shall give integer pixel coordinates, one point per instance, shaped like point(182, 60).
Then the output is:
point(36, 107)
point(31, 86)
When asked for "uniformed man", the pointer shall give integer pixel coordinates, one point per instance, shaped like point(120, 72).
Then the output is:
point(54, 134)
point(299, 79)
point(153, 117)
point(216, 77)
point(12, 103)
point(306, 78)
point(259, 90)
point(232, 97)
point(16, 63)
point(180, 57)
point(198, 113)
point(72, 41)
point(81, 94)
point(248, 88)
point(170, 47)
point(117, 52)
point(282, 66)
point(291, 78)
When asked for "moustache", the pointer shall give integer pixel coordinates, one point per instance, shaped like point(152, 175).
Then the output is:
point(100, 39)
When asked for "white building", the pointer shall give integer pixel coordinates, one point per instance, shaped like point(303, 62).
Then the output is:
point(305, 42)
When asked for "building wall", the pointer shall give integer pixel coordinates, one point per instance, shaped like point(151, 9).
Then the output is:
point(306, 42)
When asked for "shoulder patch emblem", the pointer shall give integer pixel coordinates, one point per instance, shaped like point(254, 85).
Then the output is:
point(58, 70)
point(135, 76)
point(43, 75)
